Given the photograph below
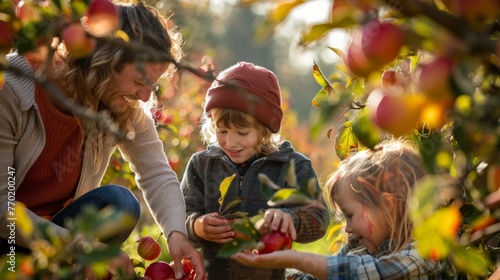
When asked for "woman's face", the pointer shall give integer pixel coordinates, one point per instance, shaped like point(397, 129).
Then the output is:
point(132, 86)
point(363, 224)
point(238, 143)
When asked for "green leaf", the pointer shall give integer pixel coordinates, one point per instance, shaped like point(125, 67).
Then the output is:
point(231, 204)
point(316, 32)
point(310, 187)
point(322, 94)
point(319, 76)
point(234, 246)
point(235, 215)
point(246, 226)
point(267, 186)
point(470, 261)
point(429, 147)
point(290, 176)
point(99, 254)
point(339, 52)
point(288, 196)
point(346, 141)
point(365, 131)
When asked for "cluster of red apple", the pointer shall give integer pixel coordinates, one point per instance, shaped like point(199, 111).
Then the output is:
point(248, 238)
point(100, 19)
point(149, 249)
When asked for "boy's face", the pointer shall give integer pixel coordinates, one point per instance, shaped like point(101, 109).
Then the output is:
point(131, 86)
point(238, 143)
point(361, 224)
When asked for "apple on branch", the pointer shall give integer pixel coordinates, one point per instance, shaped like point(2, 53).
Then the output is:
point(101, 18)
point(381, 41)
point(77, 41)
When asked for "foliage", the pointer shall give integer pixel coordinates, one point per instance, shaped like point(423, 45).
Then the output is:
point(248, 236)
point(445, 97)
point(69, 257)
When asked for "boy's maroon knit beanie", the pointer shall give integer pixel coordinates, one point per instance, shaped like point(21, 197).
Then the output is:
point(250, 89)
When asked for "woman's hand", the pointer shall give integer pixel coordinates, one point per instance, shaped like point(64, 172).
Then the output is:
point(214, 229)
point(180, 248)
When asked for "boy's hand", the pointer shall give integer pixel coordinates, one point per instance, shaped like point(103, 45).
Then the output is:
point(277, 220)
point(214, 229)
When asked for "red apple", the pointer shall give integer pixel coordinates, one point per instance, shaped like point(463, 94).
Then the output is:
point(7, 33)
point(397, 114)
point(274, 241)
point(26, 11)
point(77, 42)
point(102, 18)
point(433, 78)
point(148, 248)
point(381, 41)
point(188, 269)
point(356, 60)
point(159, 270)
point(394, 79)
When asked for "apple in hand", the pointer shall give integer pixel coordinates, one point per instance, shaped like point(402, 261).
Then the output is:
point(188, 269)
point(159, 270)
point(148, 248)
point(274, 241)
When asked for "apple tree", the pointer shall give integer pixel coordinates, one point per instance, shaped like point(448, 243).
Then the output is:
point(427, 71)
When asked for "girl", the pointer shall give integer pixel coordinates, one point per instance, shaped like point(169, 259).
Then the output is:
point(371, 189)
point(241, 123)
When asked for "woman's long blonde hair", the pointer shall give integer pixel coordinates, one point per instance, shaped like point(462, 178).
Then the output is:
point(85, 80)
point(269, 141)
point(392, 168)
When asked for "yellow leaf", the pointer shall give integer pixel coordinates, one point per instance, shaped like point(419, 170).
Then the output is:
point(23, 221)
point(224, 186)
point(279, 13)
point(436, 235)
point(122, 35)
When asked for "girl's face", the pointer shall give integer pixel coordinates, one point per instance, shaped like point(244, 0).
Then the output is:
point(238, 143)
point(362, 224)
point(132, 86)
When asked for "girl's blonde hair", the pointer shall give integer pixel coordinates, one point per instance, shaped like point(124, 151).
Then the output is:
point(217, 117)
point(382, 180)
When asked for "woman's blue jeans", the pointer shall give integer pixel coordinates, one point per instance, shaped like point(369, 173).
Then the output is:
point(120, 198)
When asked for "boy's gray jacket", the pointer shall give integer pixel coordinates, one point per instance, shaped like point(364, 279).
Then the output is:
point(200, 186)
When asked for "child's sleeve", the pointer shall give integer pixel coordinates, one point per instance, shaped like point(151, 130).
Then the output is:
point(310, 221)
point(405, 264)
point(192, 190)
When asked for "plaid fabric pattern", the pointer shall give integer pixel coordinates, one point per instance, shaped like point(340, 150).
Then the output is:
point(356, 264)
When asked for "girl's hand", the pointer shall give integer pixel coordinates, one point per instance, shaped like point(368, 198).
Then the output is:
point(278, 220)
point(276, 259)
point(214, 229)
